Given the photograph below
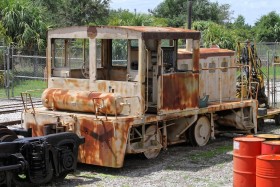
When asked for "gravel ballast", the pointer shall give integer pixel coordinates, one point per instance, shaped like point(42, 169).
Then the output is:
point(180, 165)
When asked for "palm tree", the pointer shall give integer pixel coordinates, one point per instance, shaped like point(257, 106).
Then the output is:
point(24, 25)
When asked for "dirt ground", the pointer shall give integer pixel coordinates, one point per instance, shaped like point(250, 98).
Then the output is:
point(180, 165)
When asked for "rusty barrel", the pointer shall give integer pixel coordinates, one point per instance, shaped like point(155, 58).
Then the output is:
point(245, 151)
point(271, 147)
point(268, 171)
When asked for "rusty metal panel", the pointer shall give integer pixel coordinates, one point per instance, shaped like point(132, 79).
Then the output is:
point(213, 82)
point(68, 83)
point(178, 91)
point(105, 140)
point(216, 82)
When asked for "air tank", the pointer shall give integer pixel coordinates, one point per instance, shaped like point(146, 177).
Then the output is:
point(82, 101)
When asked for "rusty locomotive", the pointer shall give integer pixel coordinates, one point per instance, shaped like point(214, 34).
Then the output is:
point(131, 90)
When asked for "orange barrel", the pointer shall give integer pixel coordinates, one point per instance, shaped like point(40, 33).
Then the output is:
point(245, 151)
point(271, 147)
point(268, 171)
point(268, 136)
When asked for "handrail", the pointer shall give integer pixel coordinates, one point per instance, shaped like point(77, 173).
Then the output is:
point(96, 108)
point(25, 97)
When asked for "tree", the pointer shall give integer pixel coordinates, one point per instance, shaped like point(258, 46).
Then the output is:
point(62, 13)
point(213, 33)
point(83, 12)
point(24, 25)
point(239, 22)
point(124, 17)
point(267, 28)
point(175, 11)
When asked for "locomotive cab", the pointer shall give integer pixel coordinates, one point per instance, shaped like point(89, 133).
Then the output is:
point(142, 70)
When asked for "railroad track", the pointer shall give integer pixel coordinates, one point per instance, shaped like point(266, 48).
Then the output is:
point(17, 107)
point(9, 109)
point(10, 123)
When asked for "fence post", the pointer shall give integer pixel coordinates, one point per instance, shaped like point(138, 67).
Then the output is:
point(13, 72)
point(36, 64)
point(7, 74)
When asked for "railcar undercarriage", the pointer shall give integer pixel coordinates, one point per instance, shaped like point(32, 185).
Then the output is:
point(35, 161)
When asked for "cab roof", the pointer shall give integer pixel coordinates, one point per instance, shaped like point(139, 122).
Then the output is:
point(122, 32)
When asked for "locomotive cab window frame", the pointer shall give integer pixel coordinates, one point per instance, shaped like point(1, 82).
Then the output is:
point(116, 59)
point(169, 55)
point(70, 58)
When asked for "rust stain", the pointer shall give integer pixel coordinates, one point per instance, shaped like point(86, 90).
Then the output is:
point(105, 142)
point(212, 106)
point(196, 59)
point(37, 130)
point(92, 32)
point(180, 91)
point(102, 86)
point(205, 53)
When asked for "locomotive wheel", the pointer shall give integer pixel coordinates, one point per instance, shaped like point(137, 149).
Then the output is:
point(2, 177)
point(199, 133)
point(152, 134)
point(7, 138)
point(3, 127)
point(7, 134)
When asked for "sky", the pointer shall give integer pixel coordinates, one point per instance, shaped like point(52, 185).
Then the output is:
point(252, 10)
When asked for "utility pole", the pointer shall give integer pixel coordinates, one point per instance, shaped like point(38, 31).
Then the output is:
point(189, 41)
point(189, 14)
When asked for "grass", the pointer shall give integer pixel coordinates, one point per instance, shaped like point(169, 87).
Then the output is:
point(206, 155)
point(98, 175)
point(271, 72)
point(27, 85)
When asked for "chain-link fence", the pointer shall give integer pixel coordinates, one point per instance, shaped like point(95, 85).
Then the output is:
point(3, 48)
point(21, 71)
point(269, 53)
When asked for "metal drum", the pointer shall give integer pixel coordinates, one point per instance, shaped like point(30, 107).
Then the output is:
point(268, 136)
point(245, 151)
point(268, 171)
point(271, 147)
